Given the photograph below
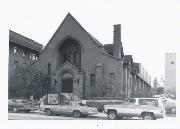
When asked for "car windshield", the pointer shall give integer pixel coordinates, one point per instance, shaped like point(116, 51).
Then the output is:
point(152, 102)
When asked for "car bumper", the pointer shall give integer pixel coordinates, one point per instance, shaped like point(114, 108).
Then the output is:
point(160, 115)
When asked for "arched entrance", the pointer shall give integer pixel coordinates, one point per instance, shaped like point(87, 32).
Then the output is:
point(67, 83)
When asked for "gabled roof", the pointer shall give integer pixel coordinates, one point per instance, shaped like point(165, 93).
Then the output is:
point(87, 33)
point(93, 38)
point(24, 41)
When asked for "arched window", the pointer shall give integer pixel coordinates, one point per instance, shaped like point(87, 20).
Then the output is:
point(69, 50)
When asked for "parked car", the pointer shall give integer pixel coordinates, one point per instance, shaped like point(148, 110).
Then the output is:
point(75, 108)
point(20, 104)
point(146, 108)
point(170, 105)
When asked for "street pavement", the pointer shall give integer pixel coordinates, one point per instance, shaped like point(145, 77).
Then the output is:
point(38, 115)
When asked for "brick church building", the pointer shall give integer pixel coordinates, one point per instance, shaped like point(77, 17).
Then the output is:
point(81, 67)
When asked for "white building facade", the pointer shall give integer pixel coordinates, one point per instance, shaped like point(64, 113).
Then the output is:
point(170, 73)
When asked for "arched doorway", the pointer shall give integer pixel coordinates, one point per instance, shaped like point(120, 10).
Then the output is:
point(67, 83)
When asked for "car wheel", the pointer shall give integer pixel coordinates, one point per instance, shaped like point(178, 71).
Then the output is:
point(76, 114)
point(148, 116)
point(48, 112)
point(14, 109)
point(27, 110)
point(112, 115)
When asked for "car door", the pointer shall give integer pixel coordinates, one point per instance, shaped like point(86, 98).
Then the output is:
point(64, 108)
point(128, 108)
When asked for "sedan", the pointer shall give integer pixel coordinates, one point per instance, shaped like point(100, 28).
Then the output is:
point(77, 109)
point(20, 104)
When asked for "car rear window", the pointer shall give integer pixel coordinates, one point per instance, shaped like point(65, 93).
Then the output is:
point(152, 102)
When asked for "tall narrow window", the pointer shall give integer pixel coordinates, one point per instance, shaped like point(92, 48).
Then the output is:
point(75, 53)
point(15, 64)
point(37, 57)
point(33, 56)
point(92, 80)
point(24, 53)
point(49, 68)
point(112, 77)
point(15, 50)
point(78, 59)
point(65, 57)
point(71, 57)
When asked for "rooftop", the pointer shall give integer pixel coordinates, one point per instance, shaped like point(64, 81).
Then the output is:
point(24, 41)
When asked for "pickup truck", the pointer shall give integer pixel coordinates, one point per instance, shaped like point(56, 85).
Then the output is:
point(146, 108)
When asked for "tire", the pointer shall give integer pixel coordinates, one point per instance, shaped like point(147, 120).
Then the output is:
point(148, 116)
point(48, 112)
point(77, 114)
point(112, 115)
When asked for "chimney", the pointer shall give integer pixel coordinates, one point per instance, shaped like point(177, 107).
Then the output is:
point(117, 45)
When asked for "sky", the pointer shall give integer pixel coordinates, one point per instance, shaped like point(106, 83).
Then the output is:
point(149, 28)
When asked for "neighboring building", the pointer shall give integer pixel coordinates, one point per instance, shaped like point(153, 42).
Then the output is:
point(22, 52)
point(136, 80)
point(78, 64)
point(170, 73)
